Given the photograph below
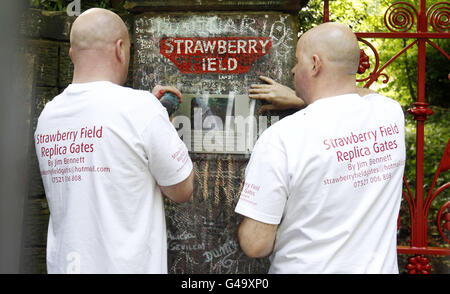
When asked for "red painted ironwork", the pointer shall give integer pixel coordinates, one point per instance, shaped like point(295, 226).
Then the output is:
point(418, 265)
point(401, 18)
point(364, 62)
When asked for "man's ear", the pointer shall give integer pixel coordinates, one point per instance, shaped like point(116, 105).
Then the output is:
point(71, 54)
point(317, 65)
point(120, 52)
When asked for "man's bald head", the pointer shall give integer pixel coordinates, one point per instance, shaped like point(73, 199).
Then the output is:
point(327, 62)
point(334, 43)
point(99, 47)
point(97, 28)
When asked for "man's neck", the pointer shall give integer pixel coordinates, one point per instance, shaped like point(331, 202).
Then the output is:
point(334, 87)
point(91, 66)
point(80, 77)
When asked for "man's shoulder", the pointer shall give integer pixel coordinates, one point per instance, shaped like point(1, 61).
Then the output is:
point(137, 94)
point(283, 128)
point(111, 98)
point(139, 105)
point(134, 100)
point(384, 104)
point(376, 97)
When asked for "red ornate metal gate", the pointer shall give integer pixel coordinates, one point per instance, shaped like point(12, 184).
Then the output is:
point(400, 19)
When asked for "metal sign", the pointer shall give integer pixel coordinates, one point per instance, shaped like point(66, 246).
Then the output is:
point(223, 55)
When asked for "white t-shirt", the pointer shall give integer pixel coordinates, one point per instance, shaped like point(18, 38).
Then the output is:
point(331, 176)
point(103, 150)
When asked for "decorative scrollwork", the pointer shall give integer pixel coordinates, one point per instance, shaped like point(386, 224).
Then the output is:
point(438, 16)
point(443, 221)
point(400, 17)
point(364, 64)
point(418, 265)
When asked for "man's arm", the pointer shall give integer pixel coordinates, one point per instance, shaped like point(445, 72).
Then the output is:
point(181, 192)
point(166, 150)
point(282, 97)
point(256, 239)
point(279, 96)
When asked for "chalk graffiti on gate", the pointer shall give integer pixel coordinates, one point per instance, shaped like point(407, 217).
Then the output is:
point(222, 55)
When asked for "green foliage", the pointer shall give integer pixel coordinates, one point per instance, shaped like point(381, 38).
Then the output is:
point(437, 134)
point(310, 15)
point(438, 85)
point(51, 5)
point(61, 5)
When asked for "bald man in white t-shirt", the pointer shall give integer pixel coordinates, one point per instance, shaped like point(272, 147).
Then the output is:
point(323, 186)
point(106, 152)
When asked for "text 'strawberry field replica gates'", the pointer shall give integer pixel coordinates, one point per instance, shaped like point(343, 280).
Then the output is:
point(213, 52)
point(420, 24)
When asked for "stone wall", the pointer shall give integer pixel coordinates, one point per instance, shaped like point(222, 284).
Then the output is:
point(170, 49)
point(46, 37)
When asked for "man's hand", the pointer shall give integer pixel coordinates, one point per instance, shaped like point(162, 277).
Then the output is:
point(170, 105)
point(279, 96)
point(159, 90)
